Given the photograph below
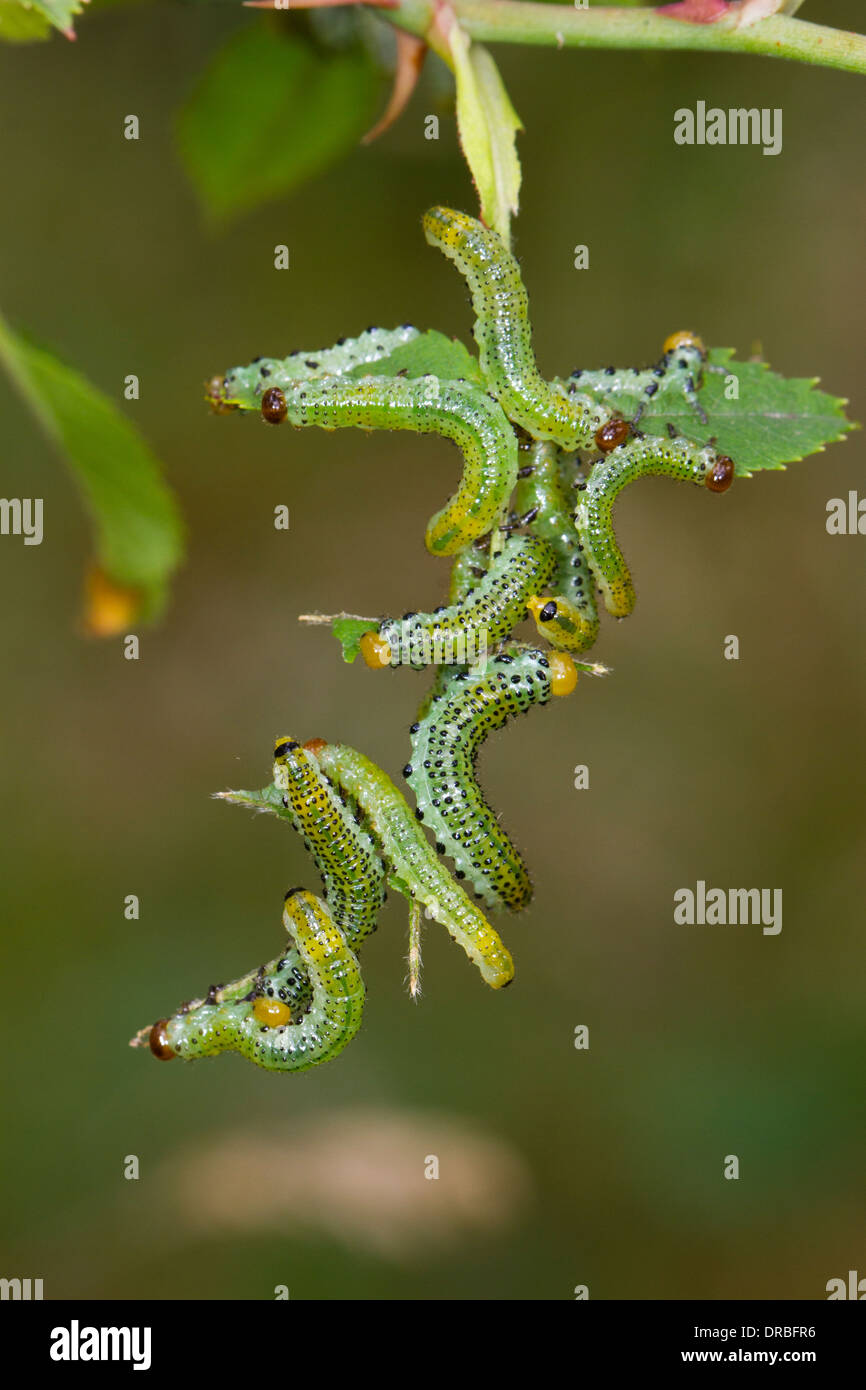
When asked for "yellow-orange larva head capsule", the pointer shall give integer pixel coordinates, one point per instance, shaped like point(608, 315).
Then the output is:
point(721, 475)
point(274, 408)
point(271, 1012)
point(683, 339)
point(563, 673)
point(612, 434)
point(215, 396)
point(159, 1044)
point(375, 650)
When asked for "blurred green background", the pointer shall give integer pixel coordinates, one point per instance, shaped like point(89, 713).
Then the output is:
point(557, 1167)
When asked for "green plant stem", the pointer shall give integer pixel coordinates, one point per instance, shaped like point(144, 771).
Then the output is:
point(515, 21)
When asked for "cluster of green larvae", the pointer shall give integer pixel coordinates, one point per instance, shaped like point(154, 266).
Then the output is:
point(530, 532)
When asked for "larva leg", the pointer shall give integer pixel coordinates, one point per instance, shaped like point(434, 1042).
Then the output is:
point(352, 871)
point(566, 615)
point(250, 1016)
point(460, 412)
point(242, 387)
point(639, 458)
point(502, 332)
point(413, 865)
point(442, 770)
point(462, 633)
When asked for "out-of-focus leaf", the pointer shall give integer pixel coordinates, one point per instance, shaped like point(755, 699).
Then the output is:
point(139, 533)
point(22, 24)
point(269, 113)
point(430, 354)
point(59, 13)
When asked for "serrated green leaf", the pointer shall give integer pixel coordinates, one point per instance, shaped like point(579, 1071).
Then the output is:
point(430, 354)
point(139, 533)
point(348, 632)
point(21, 23)
point(773, 421)
point(269, 113)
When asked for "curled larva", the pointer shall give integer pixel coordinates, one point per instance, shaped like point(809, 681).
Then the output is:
point(462, 633)
point(566, 613)
point(294, 1013)
point(459, 411)
point(442, 776)
point(639, 458)
point(412, 864)
point(544, 409)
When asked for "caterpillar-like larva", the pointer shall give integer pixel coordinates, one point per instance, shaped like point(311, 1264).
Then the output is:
point(294, 1013)
point(442, 770)
point(567, 615)
point(504, 337)
point(242, 387)
point(352, 872)
point(412, 864)
point(640, 457)
point(459, 411)
point(462, 633)
point(677, 374)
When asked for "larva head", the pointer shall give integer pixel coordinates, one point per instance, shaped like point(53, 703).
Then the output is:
point(274, 408)
point(563, 673)
point(316, 746)
point(271, 1012)
point(375, 650)
point(444, 226)
point(611, 434)
point(159, 1043)
point(215, 396)
point(287, 751)
point(720, 476)
point(684, 339)
point(543, 610)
